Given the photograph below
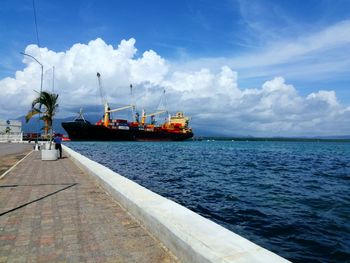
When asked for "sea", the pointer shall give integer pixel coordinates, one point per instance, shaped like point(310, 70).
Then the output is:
point(292, 198)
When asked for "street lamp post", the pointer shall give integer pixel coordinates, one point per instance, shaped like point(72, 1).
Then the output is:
point(41, 88)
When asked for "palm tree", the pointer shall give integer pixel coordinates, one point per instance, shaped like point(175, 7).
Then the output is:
point(49, 101)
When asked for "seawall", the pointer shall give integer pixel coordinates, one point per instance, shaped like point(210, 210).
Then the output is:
point(191, 237)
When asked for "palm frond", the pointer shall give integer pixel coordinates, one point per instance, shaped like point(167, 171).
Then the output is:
point(31, 113)
point(49, 102)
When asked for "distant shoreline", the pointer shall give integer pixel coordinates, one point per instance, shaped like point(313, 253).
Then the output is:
point(269, 139)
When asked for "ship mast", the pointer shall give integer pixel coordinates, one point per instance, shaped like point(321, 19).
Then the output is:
point(104, 101)
point(162, 105)
point(102, 95)
point(133, 103)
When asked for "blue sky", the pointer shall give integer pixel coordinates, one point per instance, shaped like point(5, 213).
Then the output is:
point(305, 42)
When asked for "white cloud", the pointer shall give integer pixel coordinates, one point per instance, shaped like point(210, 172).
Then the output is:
point(312, 55)
point(151, 67)
point(324, 97)
point(211, 97)
point(330, 38)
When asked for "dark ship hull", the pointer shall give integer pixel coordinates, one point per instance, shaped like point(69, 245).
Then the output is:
point(85, 131)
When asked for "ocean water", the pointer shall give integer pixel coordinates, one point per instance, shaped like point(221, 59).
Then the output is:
point(292, 198)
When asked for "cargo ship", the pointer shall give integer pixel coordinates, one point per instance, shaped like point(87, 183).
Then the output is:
point(175, 127)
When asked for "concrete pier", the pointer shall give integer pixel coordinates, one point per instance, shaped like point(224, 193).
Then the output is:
point(54, 212)
point(76, 210)
point(191, 237)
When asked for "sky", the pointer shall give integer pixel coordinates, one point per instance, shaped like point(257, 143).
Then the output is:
point(260, 68)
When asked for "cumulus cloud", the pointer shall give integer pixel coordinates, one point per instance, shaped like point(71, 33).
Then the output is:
point(212, 97)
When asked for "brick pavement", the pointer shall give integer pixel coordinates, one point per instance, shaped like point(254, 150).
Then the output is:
point(10, 153)
point(53, 212)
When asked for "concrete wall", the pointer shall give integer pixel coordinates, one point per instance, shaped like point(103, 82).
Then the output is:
point(191, 237)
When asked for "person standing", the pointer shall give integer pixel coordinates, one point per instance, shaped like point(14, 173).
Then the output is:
point(58, 140)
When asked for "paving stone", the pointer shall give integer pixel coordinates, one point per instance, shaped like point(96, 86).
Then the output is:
point(60, 214)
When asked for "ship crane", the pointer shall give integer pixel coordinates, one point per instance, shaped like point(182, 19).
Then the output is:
point(144, 116)
point(107, 109)
point(122, 108)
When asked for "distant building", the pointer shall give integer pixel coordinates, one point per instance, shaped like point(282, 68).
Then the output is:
point(10, 131)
